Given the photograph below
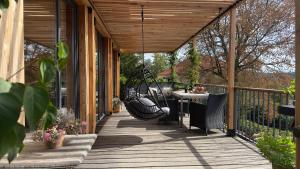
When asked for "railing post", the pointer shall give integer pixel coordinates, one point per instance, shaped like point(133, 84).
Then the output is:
point(230, 74)
point(297, 112)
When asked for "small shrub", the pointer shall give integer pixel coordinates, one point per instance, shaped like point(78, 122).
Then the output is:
point(280, 150)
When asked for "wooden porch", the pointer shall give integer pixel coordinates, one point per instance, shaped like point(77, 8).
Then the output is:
point(124, 142)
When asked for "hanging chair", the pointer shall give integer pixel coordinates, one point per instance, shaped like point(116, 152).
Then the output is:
point(144, 97)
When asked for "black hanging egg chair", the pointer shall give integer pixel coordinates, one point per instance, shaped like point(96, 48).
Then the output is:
point(142, 101)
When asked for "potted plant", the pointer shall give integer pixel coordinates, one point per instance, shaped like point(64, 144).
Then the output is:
point(116, 105)
point(279, 150)
point(66, 121)
point(54, 137)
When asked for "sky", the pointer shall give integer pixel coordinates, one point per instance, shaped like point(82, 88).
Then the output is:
point(149, 56)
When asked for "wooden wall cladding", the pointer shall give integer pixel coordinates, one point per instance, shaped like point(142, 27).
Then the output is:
point(39, 21)
point(12, 44)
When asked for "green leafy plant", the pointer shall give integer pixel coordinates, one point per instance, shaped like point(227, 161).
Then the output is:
point(291, 89)
point(173, 59)
point(280, 150)
point(33, 99)
point(194, 70)
point(4, 4)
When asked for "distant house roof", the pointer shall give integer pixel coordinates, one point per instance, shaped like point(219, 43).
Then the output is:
point(182, 67)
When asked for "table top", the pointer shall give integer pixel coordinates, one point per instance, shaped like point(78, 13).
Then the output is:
point(193, 97)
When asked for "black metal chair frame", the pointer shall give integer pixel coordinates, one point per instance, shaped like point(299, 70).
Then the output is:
point(157, 108)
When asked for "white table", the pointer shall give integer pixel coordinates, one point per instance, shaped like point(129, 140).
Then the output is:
point(194, 97)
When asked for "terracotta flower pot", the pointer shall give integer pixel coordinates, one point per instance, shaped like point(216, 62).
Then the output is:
point(59, 142)
point(117, 108)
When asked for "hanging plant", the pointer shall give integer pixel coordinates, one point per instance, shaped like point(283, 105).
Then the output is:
point(33, 99)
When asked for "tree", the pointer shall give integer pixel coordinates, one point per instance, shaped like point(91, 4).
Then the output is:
point(160, 63)
point(173, 60)
point(130, 63)
point(265, 38)
point(194, 58)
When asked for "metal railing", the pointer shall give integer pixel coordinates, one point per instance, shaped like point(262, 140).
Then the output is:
point(256, 110)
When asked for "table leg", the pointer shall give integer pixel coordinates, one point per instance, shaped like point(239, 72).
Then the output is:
point(181, 113)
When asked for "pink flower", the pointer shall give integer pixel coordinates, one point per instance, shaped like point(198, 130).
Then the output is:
point(47, 137)
point(83, 127)
point(83, 123)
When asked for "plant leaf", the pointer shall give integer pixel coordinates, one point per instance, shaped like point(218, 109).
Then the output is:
point(49, 117)
point(4, 86)
point(47, 70)
point(62, 63)
point(4, 4)
point(62, 50)
point(10, 109)
point(18, 90)
point(35, 103)
point(11, 141)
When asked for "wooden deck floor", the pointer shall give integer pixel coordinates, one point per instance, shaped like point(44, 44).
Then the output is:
point(125, 142)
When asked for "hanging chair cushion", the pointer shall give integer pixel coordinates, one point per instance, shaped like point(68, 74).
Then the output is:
point(144, 107)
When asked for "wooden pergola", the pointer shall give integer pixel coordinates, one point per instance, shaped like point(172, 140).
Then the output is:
point(169, 24)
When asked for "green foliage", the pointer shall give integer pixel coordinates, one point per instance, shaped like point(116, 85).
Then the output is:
point(47, 70)
point(62, 55)
point(160, 63)
point(130, 64)
point(4, 4)
point(35, 103)
point(194, 71)
point(173, 59)
point(9, 103)
point(49, 116)
point(35, 100)
point(280, 150)
point(291, 89)
point(11, 141)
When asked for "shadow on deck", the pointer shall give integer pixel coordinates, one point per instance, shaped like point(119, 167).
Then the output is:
point(124, 142)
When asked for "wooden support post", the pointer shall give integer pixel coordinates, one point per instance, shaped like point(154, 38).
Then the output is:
point(230, 74)
point(297, 117)
point(108, 75)
point(116, 78)
point(84, 63)
point(12, 45)
point(92, 72)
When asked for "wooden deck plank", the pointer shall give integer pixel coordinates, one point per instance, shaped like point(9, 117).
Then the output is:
point(124, 142)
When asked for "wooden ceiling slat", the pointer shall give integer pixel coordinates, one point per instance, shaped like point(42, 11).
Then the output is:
point(168, 23)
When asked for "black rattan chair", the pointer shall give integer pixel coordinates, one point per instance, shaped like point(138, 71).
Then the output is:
point(208, 116)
